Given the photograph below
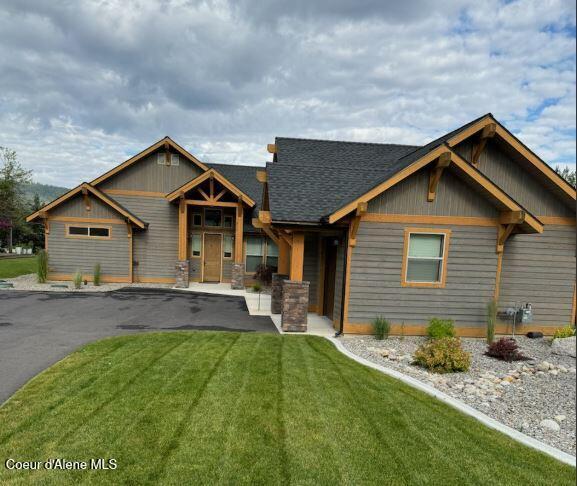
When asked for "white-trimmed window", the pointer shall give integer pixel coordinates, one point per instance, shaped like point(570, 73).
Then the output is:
point(254, 253)
point(425, 257)
point(161, 158)
point(174, 159)
point(195, 245)
point(85, 231)
point(227, 246)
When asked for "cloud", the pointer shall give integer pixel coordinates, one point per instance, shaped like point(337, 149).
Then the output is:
point(85, 85)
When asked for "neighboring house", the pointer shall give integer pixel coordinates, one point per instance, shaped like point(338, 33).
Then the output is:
point(359, 229)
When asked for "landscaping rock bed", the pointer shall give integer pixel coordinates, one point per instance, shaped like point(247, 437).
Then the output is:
point(536, 396)
point(30, 282)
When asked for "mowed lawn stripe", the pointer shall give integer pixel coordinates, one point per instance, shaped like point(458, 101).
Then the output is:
point(248, 408)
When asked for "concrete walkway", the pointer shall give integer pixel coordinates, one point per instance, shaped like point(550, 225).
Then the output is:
point(259, 305)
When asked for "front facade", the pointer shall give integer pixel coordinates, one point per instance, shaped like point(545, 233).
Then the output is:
point(352, 231)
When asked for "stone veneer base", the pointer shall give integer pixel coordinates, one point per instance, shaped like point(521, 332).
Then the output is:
point(182, 274)
point(295, 304)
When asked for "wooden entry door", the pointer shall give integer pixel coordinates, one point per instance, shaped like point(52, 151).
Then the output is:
point(330, 274)
point(212, 257)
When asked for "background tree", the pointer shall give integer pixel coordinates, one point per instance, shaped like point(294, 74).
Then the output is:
point(13, 203)
point(568, 174)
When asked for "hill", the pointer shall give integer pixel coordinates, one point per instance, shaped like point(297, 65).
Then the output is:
point(45, 192)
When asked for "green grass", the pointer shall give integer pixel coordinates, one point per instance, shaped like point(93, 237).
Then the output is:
point(13, 267)
point(230, 408)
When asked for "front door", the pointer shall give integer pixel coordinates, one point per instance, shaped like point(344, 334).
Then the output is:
point(212, 257)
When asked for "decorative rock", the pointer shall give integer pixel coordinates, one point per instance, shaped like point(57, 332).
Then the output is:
point(564, 347)
point(553, 372)
point(560, 418)
point(550, 425)
point(544, 366)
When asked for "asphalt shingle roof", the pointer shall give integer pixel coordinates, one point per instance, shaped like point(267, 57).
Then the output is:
point(310, 179)
point(243, 177)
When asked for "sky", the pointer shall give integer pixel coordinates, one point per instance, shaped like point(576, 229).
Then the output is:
point(84, 85)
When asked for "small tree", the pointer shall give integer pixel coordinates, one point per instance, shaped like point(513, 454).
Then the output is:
point(96, 278)
point(381, 328)
point(491, 319)
point(42, 266)
point(77, 279)
point(569, 175)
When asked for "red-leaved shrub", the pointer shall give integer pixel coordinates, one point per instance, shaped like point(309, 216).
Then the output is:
point(505, 349)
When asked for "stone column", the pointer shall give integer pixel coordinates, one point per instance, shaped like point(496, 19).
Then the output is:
point(276, 292)
point(237, 279)
point(295, 303)
point(182, 274)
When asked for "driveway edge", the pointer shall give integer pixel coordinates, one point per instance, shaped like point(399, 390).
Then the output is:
point(462, 407)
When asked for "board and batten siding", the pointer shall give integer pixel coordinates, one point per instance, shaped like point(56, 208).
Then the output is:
point(517, 181)
point(454, 198)
point(67, 255)
point(147, 175)
point(76, 208)
point(540, 269)
point(375, 277)
point(155, 248)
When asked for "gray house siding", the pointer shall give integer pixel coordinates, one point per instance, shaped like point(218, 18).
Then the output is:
point(375, 285)
point(518, 182)
point(156, 248)
point(76, 208)
point(148, 175)
point(454, 198)
point(540, 269)
point(67, 255)
point(339, 278)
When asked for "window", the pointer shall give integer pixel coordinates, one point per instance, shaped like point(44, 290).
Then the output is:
point(254, 253)
point(424, 263)
point(195, 245)
point(161, 158)
point(88, 232)
point(227, 246)
point(228, 221)
point(272, 255)
point(174, 159)
point(212, 217)
point(197, 219)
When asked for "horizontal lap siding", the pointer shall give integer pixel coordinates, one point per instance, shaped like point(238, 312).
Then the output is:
point(67, 255)
point(155, 248)
point(339, 278)
point(375, 285)
point(540, 269)
point(311, 267)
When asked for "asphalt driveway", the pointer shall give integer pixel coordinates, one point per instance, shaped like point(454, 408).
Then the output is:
point(39, 328)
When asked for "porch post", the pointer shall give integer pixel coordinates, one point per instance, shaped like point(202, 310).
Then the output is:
point(182, 265)
point(283, 257)
point(295, 293)
point(237, 281)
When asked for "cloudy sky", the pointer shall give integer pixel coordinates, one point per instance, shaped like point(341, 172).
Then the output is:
point(86, 84)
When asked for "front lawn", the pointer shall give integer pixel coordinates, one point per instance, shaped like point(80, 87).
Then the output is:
point(231, 408)
point(14, 267)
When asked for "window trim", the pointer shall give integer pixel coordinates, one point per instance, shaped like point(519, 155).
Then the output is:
point(431, 231)
point(87, 237)
point(201, 214)
point(231, 217)
point(231, 236)
point(200, 235)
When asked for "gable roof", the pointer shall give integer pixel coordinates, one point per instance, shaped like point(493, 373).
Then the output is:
point(106, 199)
point(243, 177)
point(217, 176)
point(165, 142)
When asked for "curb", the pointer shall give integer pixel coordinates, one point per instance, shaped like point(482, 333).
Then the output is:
point(462, 407)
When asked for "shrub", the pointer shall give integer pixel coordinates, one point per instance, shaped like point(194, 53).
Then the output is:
point(441, 328)
point(263, 274)
point(505, 349)
point(42, 266)
point(77, 279)
point(257, 287)
point(381, 328)
point(443, 356)
point(491, 319)
point(96, 278)
point(564, 332)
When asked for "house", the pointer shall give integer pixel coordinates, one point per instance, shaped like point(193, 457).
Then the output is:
point(352, 230)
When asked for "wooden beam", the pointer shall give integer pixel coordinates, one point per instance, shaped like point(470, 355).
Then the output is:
point(284, 252)
point(239, 233)
point(498, 276)
point(487, 133)
point(504, 233)
point(211, 184)
point(512, 217)
point(195, 202)
point(271, 148)
point(261, 175)
point(267, 228)
point(265, 217)
point(297, 256)
point(203, 194)
point(166, 153)
point(219, 195)
point(435, 175)
point(356, 221)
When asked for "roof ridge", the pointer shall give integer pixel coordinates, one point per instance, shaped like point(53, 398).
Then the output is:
point(348, 141)
point(234, 165)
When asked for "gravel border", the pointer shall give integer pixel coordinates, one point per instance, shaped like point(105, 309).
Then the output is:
point(535, 397)
point(29, 282)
